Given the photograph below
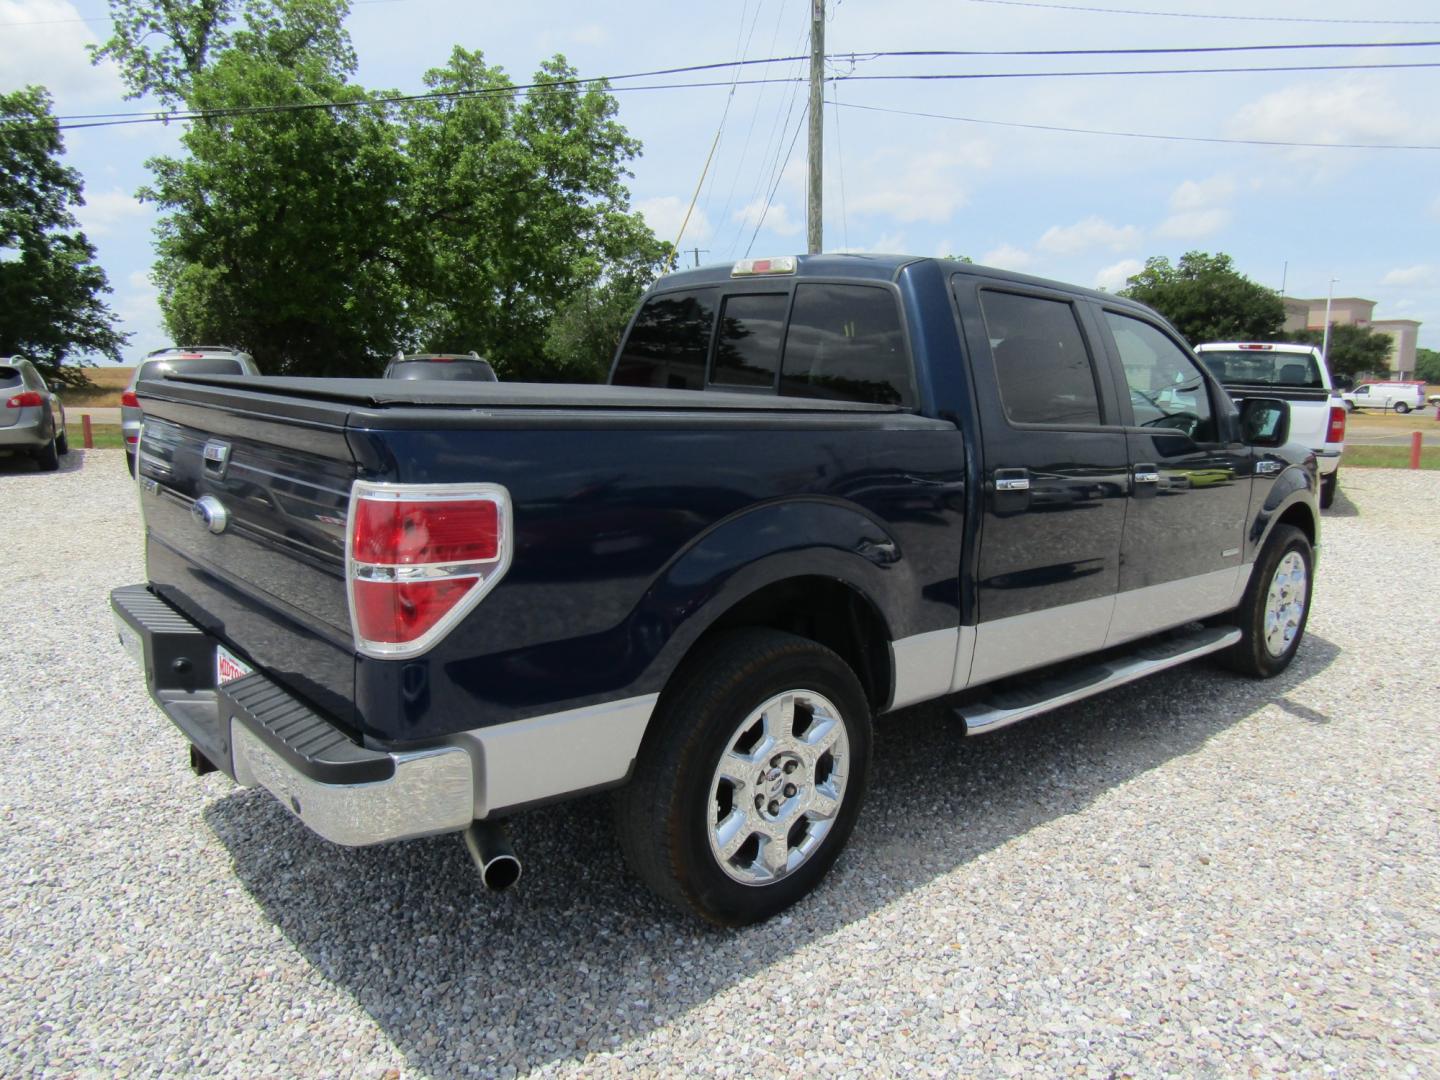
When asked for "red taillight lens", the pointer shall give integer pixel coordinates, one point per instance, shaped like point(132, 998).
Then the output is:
point(404, 533)
point(30, 399)
point(420, 557)
point(130, 399)
point(391, 612)
point(1336, 431)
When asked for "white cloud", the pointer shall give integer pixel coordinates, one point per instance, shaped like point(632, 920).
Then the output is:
point(777, 218)
point(1199, 194)
point(917, 187)
point(665, 214)
point(1091, 234)
point(43, 41)
point(1411, 275)
point(1333, 111)
point(105, 211)
point(1008, 257)
point(1113, 278)
point(1194, 224)
point(1434, 210)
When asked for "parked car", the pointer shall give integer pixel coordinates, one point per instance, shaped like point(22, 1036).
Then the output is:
point(33, 419)
point(1400, 396)
point(191, 359)
point(450, 367)
point(878, 481)
point(1299, 375)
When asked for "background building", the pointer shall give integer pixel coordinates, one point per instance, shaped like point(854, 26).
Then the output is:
point(1355, 311)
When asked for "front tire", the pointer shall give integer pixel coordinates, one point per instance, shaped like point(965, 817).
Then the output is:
point(1276, 606)
point(751, 779)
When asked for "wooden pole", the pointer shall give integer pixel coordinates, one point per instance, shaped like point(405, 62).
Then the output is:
point(813, 215)
point(89, 435)
point(1415, 450)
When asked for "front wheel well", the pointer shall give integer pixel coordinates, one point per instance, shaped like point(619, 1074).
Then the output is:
point(824, 610)
point(1299, 516)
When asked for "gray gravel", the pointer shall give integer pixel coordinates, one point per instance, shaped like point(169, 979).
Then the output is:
point(1199, 875)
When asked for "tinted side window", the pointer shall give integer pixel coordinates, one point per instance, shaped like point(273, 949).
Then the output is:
point(845, 344)
point(10, 376)
point(747, 350)
point(668, 344)
point(1166, 387)
point(1041, 362)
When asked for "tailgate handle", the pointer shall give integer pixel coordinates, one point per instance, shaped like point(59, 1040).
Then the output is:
point(217, 458)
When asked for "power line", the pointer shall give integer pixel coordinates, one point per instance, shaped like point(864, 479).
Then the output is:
point(1207, 15)
point(779, 175)
point(121, 119)
point(1137, 134)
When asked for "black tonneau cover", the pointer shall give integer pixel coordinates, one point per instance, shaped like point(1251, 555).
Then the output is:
point(382, 393)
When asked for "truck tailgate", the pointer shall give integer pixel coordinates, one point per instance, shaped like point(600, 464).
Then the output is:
point(245, 534)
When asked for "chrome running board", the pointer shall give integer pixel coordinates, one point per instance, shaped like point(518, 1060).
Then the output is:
point(1148, 657)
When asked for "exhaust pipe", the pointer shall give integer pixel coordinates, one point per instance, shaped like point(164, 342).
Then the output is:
point(489, 847)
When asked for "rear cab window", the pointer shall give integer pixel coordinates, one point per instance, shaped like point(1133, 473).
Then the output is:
point(201, 365)
point(1264, 367)
point(832, 340)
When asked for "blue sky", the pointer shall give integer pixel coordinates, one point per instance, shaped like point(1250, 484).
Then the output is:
point(1085, 208)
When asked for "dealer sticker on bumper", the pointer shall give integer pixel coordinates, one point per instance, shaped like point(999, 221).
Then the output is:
point(228, 666)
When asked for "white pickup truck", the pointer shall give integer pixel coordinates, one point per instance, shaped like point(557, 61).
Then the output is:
point(1298, 374)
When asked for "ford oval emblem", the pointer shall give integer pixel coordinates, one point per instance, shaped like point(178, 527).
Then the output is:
point(211, 513)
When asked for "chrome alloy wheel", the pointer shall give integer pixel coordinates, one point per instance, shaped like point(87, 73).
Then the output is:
point(778, 787)
point(1285, 604)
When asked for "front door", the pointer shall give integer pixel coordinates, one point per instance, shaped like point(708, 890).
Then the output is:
point(1190, 482)
point(1055, 463)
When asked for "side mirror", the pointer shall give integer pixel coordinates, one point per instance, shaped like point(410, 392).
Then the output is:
point(1265, 421)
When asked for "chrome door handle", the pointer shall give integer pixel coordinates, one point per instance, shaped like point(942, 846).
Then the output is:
point(1012, 483)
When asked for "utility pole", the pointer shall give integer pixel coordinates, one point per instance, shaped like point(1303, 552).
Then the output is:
point(697, 252)
point(817, 124)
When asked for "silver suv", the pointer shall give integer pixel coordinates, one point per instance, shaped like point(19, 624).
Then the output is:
point(187, 360)
point(32, 419)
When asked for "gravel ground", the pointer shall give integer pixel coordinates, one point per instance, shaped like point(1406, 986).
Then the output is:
point(1198, 875)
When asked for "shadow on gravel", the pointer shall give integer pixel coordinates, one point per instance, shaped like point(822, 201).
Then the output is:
point(1342, 506)
point(22, 464)
point(580, 958)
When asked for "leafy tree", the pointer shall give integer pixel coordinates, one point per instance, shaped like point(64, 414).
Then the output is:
point(521, 218)
point(283, 233)
point(1427, 365)
point(1207, 299)
point(1354, 350)
point(50, 288)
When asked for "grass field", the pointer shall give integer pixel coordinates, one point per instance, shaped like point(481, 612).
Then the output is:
point(106, 436)
point(109, 382)
point(1388, 457)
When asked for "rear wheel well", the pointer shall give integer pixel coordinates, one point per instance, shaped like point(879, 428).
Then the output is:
point(824, 610)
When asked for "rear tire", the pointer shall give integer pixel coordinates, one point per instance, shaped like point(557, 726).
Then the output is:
point(47, 456)
point(1401, 408)
point(751, 778)
point(1276, 606)
point(62, 443)
point(1328, 486)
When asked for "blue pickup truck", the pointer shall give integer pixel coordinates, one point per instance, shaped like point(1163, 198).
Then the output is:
point(818, 489)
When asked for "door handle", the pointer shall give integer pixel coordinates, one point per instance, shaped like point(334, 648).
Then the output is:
point(1144, 480)
point(1012, 490)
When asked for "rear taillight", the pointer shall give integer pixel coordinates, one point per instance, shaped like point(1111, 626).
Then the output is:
point(130, 399)
point(1336, 431)
point(28, 400)
point(419, 557)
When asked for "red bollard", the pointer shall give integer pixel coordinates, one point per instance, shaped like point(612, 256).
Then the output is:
point(89, 435)
point(1415, 450)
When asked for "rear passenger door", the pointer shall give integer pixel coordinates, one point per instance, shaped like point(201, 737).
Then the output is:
point(1190, 480)
point(1055, 472)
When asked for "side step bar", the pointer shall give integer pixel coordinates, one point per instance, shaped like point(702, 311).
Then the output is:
point(1148, 657)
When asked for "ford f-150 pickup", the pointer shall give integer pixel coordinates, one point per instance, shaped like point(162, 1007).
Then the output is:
point(817, 490)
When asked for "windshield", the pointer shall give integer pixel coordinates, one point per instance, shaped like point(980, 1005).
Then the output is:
point(1246, 367)
point(449, 370)
point(205, 365)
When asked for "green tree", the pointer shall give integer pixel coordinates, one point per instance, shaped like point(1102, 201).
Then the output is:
point(522, 219)
point(51, 306)
point(1427, 365)
point(1207, 299)
point(1354, 350)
